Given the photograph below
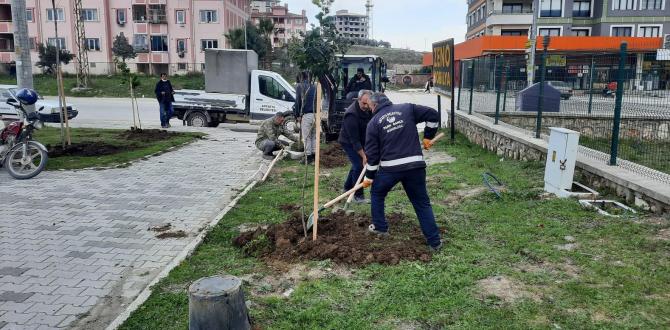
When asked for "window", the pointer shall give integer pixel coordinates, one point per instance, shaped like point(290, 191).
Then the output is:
point(513, 32)
point(181, 66)
point(208, 16)
point(298, 21)
point(93, 43)
point(88, 15)
point(181, 45)
point(581, 9)
point(271, 88)
point(622, 4)
point(550, 8)
point(649, 31)
point(651, 4)
point(60, 15)
point(121, 16)
point(30, 14)
point(581, 32)
point(159, 44)
point(180, 16)
point(622, 31)
point(509, 8)
point(33, 43)
point(140, 13)
point(552, 32)
point(58, 42)
point(209, 43)
point(140, 42)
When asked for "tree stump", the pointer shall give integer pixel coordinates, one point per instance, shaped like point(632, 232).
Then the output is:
point(217, 303)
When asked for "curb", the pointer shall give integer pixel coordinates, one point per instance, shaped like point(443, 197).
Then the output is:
point(188, 250)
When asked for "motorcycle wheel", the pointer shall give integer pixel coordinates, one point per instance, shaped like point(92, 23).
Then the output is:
point(27, 167)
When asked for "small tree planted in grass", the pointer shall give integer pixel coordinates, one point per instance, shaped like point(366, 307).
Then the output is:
point(47, 57)
point(122, 48)
point(133, 82)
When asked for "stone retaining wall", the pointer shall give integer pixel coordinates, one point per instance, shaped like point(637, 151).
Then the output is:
point(633, 127)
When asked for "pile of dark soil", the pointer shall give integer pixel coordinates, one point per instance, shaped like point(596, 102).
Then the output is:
point(146, 135)
point(87, 149)
point(333, 156)
point(93, 149)
point(342, 238)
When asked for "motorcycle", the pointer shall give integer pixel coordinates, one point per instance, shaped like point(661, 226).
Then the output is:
point(23, 157)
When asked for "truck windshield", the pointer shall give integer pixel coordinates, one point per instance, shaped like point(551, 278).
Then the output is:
point(348, 68)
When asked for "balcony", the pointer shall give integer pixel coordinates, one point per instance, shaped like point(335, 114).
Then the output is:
point(522, 16)
point(5, 13)
point(157, 14)
point(6, 42)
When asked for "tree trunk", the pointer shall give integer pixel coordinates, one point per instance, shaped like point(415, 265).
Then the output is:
point(217, 303)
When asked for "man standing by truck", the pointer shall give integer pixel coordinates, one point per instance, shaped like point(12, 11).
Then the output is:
point(165, 96)
point(352, 139)
point(271, 129)
point(304, 111)
point(393, 149)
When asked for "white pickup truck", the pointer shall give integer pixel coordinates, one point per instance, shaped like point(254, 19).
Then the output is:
point(235, 92)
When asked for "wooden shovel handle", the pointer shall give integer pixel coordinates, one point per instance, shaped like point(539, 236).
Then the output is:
point(360, 179)
point(341, 197)
point(437, 137)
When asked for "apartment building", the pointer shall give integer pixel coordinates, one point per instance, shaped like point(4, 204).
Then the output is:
point(351, 25)
point(629, 18)
point(287, 24)
point(507, 18)
point(264, 6)
point(616, 18)
point(169, 36)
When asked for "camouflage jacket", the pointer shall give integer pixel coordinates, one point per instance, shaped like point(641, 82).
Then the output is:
point(271, 131)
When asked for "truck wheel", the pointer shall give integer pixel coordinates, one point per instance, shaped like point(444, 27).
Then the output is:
point(197, 119)
point(291, 125)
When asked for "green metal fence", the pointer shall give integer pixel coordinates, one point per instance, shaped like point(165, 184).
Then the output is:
point(619, 102)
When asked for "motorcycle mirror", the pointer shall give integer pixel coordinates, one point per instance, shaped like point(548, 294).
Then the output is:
point(41, 108)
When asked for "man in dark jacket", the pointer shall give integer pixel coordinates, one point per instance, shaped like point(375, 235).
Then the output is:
point(358, 82)
point(352, 139)
point(303, 110)
point(393, 149)
point(165, 96)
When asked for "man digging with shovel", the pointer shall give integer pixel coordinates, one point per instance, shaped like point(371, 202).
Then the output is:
point(394, 155)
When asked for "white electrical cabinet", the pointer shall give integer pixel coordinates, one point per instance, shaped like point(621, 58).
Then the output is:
point(561, 159)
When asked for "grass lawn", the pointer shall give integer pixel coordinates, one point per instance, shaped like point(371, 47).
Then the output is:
point(525, 261)
point(128, 149)
point(652, 154)
point(109, 86)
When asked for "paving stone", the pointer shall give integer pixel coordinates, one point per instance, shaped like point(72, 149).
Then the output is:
point(80, 255)
point(15, 296)
point(12, 271)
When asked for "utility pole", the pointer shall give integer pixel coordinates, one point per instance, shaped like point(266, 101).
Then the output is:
point(368, 8)
point(82, 47)
point(530, 70)
point(24, 67)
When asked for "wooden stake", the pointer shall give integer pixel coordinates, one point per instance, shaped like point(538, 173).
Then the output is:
point(61, 89)
point(317, 122)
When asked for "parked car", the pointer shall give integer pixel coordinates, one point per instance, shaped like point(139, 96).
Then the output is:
point(563, 87)
point(49, 114)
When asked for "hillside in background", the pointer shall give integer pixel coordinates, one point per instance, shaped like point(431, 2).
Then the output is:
point(390, 55)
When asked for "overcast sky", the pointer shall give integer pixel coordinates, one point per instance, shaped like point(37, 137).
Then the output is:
point(412, 24)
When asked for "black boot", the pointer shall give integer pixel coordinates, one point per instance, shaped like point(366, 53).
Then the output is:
point(310, 159)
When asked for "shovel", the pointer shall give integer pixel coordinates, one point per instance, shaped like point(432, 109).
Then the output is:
point(351, 197)
point(351, 191)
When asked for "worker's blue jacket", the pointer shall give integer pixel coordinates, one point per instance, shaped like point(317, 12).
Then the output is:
point(392, 140)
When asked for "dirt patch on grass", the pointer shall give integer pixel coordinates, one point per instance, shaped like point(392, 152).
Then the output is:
point(437, 157)
point(566, 269)
point(87, 149)
point(663, 235)
point(146, 135)
point(457, 196)
point(342, 238)
point(285, 277)
point(333, 156)
point(505, 289)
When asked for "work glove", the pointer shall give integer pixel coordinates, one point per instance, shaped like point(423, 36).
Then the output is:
point(367, 183)
point(427, 144)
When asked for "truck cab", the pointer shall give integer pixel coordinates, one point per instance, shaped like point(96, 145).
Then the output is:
point(347, 65)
